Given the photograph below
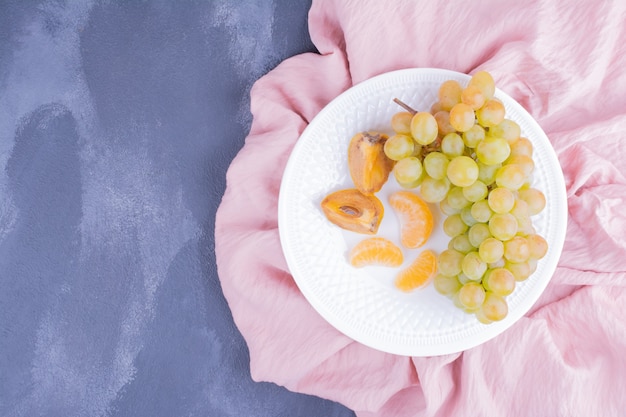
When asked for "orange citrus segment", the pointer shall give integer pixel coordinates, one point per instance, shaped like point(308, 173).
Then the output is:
point(416, 219)
point(376, 251)
point(419, 273)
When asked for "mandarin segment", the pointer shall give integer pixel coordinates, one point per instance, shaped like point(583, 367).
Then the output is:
point(419, 273)
point(415, 216)
point(376, 251)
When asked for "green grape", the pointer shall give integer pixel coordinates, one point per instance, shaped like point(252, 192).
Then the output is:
point(449, 262)
point(510, 176)
point(491, 250)
point(538, 246)
point(434, 191)
point(497, 264)
point(501, 200)
point(454, 225)
point(487, 173)
point(461, 243)
point(424, 128)
point(410, 185)
point(456, 199)
point(399, 146)
point(473, 97)
point(401, 122)
point(534, 198)
point(478, 233)
point(525, 226)
point(520, 209)
point(516, 249)
point(520, 271)
point(449, 94)
point(484, 82)
point(503, 226)
point(522, 146)
point(462, 171)
point(493, 308)
point(481, 211)
point(463, 279)
point(436, 164)
point(443, 123)
point(473, 136)
point(491, 113)
point(526, 162)
point(492, 150)
point(477, 191)
point(407, 170)
point(446, 208)
point(466, 216)
point(462, 117)
point(473, 266)
point(532, 264)
point(507, 130)
point(499, 281)
point(446, 285)
point(452, 145)
point(471, 295)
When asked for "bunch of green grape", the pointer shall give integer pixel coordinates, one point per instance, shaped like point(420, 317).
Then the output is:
point(465, 155)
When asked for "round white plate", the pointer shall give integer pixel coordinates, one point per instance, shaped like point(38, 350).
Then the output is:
point(363, 303)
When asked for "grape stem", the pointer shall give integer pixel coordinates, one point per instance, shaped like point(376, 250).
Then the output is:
point(404, 106)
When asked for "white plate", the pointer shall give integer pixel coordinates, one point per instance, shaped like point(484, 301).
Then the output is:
point(363, 303)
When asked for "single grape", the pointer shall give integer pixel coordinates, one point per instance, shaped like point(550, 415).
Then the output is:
point(493, 308)
point(456, 199)
point(452, 145)
point(524, 226)
point(485, 83)
point(497, 264)
point(443, 122)
point(491, 113)
point(462, 171)
point(471, 295)
point(461, 243)
point(532, 264)
point(473, 136)
point(436, 165)
point(501, 200)
point(454, 225)
point(481, 211)
point(401, 122)
point(449, 94)
point(408, 170)
point(487, 173)
point(520, 271)
point(522, 146)
point(507, 130)
point(473, 97)
point(526, 162)
point(466, 216)
point(399, 146)
point(538, 246)
point(516, 249)
point(462, 117)
point(449, 262)
point(534, 198)
point(510, 176)
point(434, 191)
point(492, 150)
point(436, 108)
point(473, 266)
point(478, 233)
point(491, 250)
point(499, 281)
point(503, 226)
point(446, 208)
point(424, 128)
point(520, 209)
point(446, 285)
point(476, 191)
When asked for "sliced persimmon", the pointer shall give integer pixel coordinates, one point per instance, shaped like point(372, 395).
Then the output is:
point(376, 251)
point(416, 219)
point(419, 273)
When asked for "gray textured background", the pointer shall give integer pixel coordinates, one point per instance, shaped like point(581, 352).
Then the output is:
point(118, 120)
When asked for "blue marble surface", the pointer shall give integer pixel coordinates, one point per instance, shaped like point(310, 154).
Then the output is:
point(118, 120)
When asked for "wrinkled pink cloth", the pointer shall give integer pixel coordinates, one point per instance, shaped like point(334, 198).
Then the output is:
point(565, 62)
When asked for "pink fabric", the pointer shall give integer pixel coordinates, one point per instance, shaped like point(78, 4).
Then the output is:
point(565, 62)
